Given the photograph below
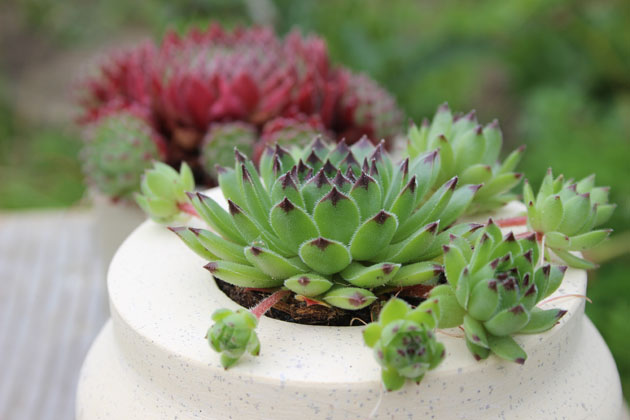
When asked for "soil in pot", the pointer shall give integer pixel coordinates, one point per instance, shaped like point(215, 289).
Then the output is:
point(293, 310)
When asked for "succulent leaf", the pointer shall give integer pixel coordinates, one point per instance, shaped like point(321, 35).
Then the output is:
point(351, 298)
point(542, 320)
point(417, 273)
point(336, 216)
point(373, 235)
point(371, 276)
point(507, 321)
point(218, 219)
point(475, 332)
point(308, 284)
point(224, 250)
point(192, 241)
point(271, 263)
point(506, 348)
point(325, 256)
point(292, 223)
point(412, 249)
point(241, 275)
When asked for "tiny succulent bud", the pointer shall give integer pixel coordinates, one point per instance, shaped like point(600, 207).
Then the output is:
point(163, 192)
point(233, 334)
point(565, 214)
point(404, 342)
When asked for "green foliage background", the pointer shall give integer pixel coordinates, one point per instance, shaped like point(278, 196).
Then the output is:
point(555, 72)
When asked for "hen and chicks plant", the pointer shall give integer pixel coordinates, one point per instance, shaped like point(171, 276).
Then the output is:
point(493, 286)
point(345, 225)
point(327, 227)
point(194, 87)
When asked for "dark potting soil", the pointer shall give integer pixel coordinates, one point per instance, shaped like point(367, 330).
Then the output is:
point(292, 310)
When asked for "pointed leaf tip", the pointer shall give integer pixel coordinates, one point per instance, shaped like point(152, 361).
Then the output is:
point(211, 267)
point(286, 205)
point(233, 208)
point(452, 183)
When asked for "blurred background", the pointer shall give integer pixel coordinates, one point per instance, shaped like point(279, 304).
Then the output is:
point(555, 72)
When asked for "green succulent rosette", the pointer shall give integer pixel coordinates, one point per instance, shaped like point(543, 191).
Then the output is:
point(332, 223)
point(163, 192)
point(119, 147)
point(492, 291)
point(565, 213)
point(404, 342)
point(233, 335)
point(471, 152)
point(217, 147)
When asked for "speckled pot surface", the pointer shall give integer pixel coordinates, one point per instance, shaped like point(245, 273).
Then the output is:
point(151, 360)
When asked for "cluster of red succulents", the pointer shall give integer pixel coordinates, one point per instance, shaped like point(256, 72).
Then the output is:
point(186, 83)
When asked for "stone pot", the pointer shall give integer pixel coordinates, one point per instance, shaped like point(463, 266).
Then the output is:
point(151, 360)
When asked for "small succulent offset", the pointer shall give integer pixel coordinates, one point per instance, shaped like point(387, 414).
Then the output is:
point(404, 342)
point(217, 147)
point(327, 227)
point(470, 151)
point(118, 150)
point(565, 212)
point(493, 288)
point(289, 132)
point(163, 192)
point(233, 334)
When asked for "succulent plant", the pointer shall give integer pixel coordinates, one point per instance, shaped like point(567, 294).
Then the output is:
point(118, 148)
point(403, 341)
point(163, 192)
point(233, 334)
point(296, 131)
point(327, 227)
point(279, 87)
point(493, 288)
point(470, 151)
point(219, 142)
point(122, 81)
point(367, 109)
point(565, 212)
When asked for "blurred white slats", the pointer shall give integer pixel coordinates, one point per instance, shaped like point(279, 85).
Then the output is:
point(52, 304)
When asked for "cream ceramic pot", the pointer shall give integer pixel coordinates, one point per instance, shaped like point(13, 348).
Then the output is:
point(151, 360)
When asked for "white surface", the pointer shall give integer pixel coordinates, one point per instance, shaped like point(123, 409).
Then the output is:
point(153, 362)
point(52, 305)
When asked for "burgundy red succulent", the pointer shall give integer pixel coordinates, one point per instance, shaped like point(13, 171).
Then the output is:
point(188, 82)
